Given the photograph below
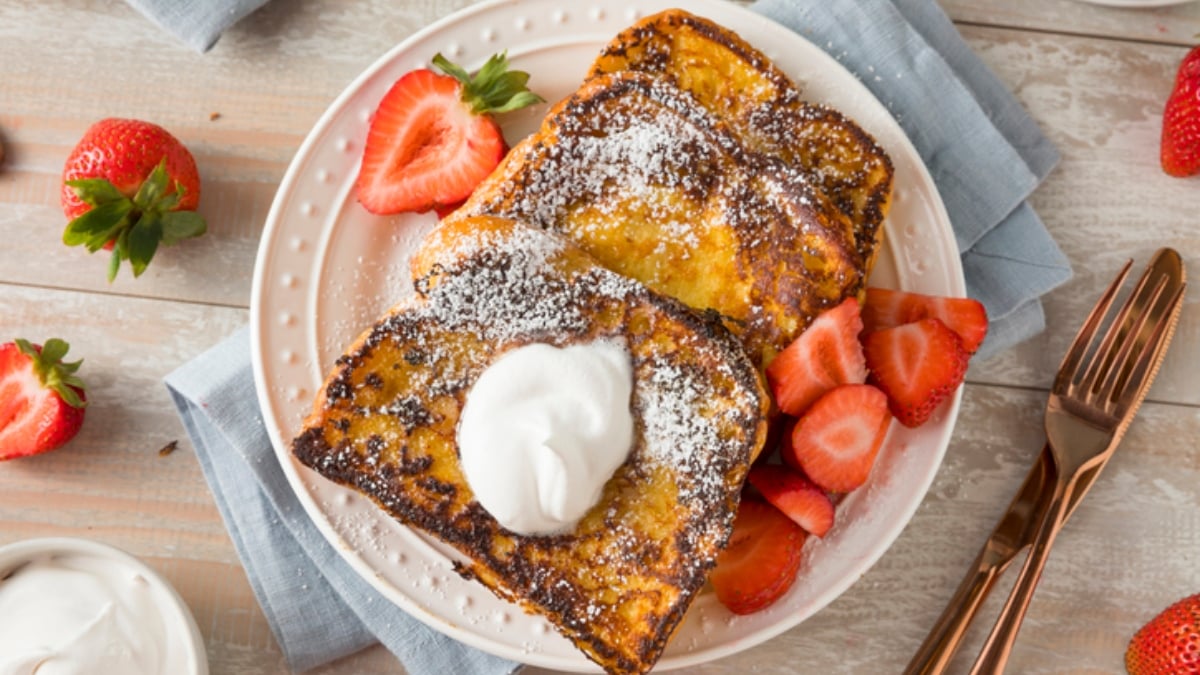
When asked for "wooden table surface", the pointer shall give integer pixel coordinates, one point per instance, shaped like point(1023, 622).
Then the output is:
point(1095, 78)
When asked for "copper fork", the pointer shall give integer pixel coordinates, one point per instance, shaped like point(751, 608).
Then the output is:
point(1100, 384)
point(1020, 522)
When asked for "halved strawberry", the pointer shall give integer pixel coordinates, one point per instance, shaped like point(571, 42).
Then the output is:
point(41, 399)
point(887, 308)
point(760, 562)
point(836, 441)
point(825, 355)
point(796, 496)
point(432, 139)
point(918, 365)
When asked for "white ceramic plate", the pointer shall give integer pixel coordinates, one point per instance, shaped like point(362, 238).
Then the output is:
point(326, 269)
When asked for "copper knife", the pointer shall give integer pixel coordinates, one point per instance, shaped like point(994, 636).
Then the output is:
point(1012, 535)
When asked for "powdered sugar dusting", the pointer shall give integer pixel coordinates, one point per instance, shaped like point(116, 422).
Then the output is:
point(655, 186)
point(634, 151)
point(512, 291)
point(675, 431)
point(515, 286)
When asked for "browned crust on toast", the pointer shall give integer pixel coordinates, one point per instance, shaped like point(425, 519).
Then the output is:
point(764, 109)
point(658, 189)
point(619, 583)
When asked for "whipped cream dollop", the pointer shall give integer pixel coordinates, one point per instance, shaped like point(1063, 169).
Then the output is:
point(74, 614)
point(542, 431)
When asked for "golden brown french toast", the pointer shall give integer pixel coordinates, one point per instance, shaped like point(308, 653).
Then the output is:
point(655, 187)
point(764, 109)
point(384, 423)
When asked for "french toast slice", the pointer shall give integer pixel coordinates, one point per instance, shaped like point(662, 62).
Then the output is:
point(764, 109)
point(620, 581)
point(656, 188)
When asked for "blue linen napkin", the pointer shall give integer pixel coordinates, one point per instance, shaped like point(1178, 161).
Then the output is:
point(198, 23)
point(317, 606)
point(984, 152)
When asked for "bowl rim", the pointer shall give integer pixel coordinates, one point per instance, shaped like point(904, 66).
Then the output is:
point(17, 552)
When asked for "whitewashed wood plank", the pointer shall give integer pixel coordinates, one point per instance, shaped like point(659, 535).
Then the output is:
point(1127, 553)
point(1177, 24)
point(267, 81)
point(271, 77)
point(1108, 200)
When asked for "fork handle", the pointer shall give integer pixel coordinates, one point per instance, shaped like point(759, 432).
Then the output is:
point(947, 634)
point(994, 656)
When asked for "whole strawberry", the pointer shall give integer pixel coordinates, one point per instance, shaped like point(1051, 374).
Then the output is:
point(1180, 154)
point(41, 399)
point(1169, 644)
point(128, 186)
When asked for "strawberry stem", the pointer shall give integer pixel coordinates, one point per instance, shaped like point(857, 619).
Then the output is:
point(54, 373)
point(494, 89)
point(134, 225)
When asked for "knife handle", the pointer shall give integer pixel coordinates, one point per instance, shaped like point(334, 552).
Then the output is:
point(996, 649)
point(1011, 534)
point(947, 634)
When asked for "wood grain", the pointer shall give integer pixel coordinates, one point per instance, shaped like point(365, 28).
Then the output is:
point(1177, 24)
point(1094, 78)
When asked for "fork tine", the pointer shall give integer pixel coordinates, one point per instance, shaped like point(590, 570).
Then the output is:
point(1118, 365)
point(1087, 332)
point(1148, 362)
point(1102, 358)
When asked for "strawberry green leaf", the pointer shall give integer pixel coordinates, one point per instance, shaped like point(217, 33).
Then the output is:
point(493, 69)
point(519, 100)
point(179, 225)
point(68, 395)
point(51, 372)
point(171, 200)
point(98, 240)
point(143, 242)
point(54, 349)
point(494, 89)
point(135, 226)
point(118, 254)
point(26, 348)
point(153, 188)
point(452, 69)
point(100, 220)
point(95, 191)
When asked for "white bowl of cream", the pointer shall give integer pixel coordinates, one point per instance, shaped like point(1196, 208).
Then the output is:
point(74, 606)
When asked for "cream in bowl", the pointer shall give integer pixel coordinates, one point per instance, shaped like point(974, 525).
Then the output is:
point(73, 606)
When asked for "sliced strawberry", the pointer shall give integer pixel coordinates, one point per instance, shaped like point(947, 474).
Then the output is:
point(432, 139)
point(41, 399)
point(779, 438)
point(825, 355)
point(799, 498)
point(886, 308)
point(836, 441)
point(760, 562)
point(444, 210)
point(918, 365)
